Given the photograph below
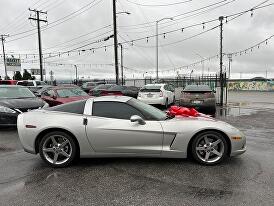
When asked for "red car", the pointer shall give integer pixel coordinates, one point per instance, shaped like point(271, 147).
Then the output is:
point(8, 82)
point(63, 94)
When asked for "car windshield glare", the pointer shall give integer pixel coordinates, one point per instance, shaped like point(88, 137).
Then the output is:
point(70, 92)
point(15, 92)
point(150, 88)
point(152, 113)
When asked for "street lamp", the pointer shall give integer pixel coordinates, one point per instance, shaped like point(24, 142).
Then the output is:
point(157, 49)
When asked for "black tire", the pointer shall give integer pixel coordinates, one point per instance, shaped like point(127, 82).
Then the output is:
point(71, 145)
point(211, 135)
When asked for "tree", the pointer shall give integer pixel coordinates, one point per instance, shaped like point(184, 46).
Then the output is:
point(26, 75)
point(17, 76)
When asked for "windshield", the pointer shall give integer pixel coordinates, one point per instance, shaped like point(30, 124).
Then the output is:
point(197, 88)
point(25, 83)
point(152, 113)
point(15, 92)
point(151, 88)
point(70, 92)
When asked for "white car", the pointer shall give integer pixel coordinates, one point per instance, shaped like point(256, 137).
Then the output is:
point(31, 83)
point(158, 94)
point(121, 126)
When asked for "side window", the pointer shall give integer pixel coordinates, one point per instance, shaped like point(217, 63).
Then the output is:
point(166, 87)
point(118, 110)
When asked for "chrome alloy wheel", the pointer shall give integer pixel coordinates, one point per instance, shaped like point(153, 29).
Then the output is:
point(210, 148)
point(57, 149)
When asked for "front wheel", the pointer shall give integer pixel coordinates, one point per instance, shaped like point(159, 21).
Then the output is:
point(57, 149)
point(209, 148)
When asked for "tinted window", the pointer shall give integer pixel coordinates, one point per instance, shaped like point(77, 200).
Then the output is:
point(5, 82)
point(103, 86)
point(25, 83)
point(151, 88)
point(117, 110)
point(74, 107)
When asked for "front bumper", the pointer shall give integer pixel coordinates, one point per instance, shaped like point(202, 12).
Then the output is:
point(238, 152)
point(156, 101)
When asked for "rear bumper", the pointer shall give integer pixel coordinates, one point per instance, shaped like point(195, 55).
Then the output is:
point(204, 105)
point(156, 101)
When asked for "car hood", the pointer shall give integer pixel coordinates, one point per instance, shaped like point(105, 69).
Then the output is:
point(24, 103)
point(71, 99)
point(196, 124)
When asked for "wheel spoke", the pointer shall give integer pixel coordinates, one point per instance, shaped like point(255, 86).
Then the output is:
point(55, 158)
point(53, 140)
point(216, 153)
point(65, 154)
point(200, 148)
point(48, 150)
point(64, 143)
point(206, 140)
point(207, 156)
point(216, 142)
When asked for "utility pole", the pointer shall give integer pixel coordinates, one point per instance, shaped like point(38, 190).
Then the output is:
point(122, 65)
point(157, 46)
point(76, 74)
point(37, 18)
point(3, 36)
point(115, 43)
point(229, 69)
point(221, 18)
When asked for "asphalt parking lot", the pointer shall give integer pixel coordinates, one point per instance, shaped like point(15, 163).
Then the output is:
point(243, 180)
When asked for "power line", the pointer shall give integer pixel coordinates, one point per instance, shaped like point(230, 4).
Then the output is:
point(160, 5)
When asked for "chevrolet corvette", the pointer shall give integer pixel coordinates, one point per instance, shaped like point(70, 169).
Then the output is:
point(121, 126)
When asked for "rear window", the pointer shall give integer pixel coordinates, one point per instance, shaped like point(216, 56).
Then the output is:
point(197, 89)
point(25, 83)
point(103, 86)
point(73, 107)
point(117, 88)
point(151, 88)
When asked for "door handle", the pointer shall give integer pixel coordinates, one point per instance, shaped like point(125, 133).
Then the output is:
point(85, 121)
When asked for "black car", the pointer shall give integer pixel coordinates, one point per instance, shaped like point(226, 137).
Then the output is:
point(15, 100)
point(100, 89)
point(130, 91)
point(87, 86)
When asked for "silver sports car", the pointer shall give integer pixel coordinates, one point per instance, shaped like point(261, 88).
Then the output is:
point(120, 126)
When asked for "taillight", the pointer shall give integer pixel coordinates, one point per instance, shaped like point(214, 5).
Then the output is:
point(161, 94)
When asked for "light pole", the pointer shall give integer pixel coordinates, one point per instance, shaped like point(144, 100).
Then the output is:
point(76, 74)
point(157, 49)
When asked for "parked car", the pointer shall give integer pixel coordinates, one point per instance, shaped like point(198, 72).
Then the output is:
point(97, 91)
point(59, 95)
point(15, 100)
point(201, 97)
point(87, 86)
point(121, 126)
point(120, 90)
point(33, 85)
point(39, 92)
point(157, 94)
point(8, 82)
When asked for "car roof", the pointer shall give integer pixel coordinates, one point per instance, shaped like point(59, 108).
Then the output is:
point(112, 98)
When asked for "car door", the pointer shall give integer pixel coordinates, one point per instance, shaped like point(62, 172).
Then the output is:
point(110, 130)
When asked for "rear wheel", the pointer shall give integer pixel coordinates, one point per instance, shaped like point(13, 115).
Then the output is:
point(57, 149)
point(209, 148)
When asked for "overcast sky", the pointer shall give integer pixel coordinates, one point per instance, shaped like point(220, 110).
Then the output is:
point(76, 30)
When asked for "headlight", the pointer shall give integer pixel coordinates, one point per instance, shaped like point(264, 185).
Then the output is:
point(6, 110)
point(46, 105)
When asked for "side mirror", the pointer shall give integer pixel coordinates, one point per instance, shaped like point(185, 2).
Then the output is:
point(136, 118)
point(38, 95)
point(53, 96)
